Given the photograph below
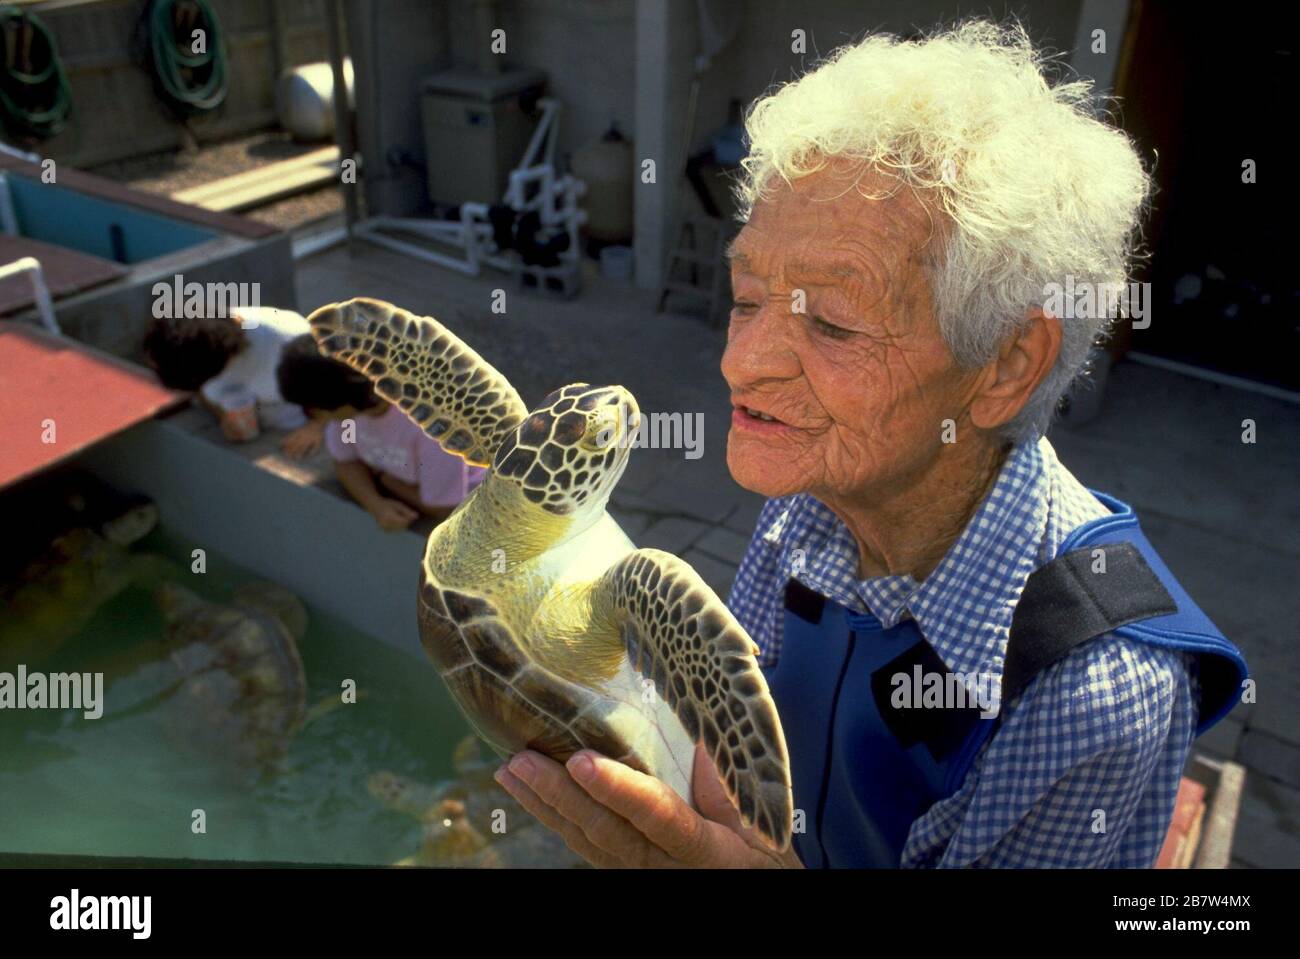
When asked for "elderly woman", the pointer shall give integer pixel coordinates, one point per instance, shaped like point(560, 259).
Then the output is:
point(893, 367)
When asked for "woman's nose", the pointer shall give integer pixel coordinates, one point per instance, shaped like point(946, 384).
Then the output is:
point(758, 348)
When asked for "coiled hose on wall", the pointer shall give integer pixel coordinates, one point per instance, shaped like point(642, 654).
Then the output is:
point(193, 82)
point(34, 97)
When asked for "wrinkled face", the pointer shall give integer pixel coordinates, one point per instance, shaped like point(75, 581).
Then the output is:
point(847, 397)
point(571, 450)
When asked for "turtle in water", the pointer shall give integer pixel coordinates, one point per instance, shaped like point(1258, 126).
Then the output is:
point(470, 820)
point(473, 785)
point(227, 678)
point(83, 560)
point(450, 839)
point(552, 631)
point(236, 677)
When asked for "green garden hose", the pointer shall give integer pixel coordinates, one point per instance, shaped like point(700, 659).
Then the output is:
point(194, 82)
point(34, 97)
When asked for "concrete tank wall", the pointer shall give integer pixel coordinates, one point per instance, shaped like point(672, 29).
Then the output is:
point(321, 547)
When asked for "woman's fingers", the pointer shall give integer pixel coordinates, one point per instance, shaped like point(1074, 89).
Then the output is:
point(573, 837)
point(602, 827)
point(649, 805)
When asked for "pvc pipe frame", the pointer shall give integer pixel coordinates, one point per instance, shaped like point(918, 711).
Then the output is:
point(27, 264)
point(44, 304)
point(473, 231)
point(470, 233)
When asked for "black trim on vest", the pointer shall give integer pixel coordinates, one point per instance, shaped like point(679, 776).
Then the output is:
point(1065, 604)
point(803, 602)
point(943, 730)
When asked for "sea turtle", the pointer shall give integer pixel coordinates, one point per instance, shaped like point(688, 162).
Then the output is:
point(36, 511)
point(473, 784)
point(470, 820)
point(551, 629)
point(237, 680)
point(79, 568)
point(226, 679)
point(450, 840)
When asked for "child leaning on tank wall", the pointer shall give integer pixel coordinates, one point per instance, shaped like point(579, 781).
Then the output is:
point(230, 362)
point(381, 457)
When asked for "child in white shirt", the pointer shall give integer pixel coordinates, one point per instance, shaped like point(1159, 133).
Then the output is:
point(211, 356)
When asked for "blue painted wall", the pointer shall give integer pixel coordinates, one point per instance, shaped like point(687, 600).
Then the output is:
point(64, 217)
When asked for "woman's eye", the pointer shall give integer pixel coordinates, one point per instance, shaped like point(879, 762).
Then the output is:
point(830, 329)
point(743, 307)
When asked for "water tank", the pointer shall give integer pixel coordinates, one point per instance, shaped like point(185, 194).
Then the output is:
point(606, 165)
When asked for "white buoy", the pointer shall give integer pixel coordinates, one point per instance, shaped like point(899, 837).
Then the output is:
point(304, 99)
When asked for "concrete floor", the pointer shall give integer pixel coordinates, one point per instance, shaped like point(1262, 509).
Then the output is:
point(1224, 514)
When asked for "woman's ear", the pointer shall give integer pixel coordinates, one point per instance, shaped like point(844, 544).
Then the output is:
point(1011, 377)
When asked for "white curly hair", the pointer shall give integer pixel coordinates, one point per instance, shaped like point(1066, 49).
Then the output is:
point(1032, 185)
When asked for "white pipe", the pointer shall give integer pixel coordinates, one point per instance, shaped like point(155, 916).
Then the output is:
point(21, 154)
point(44, 304)
point(1224, 379)
point(543, 127)
point(367, 231)
point(310, 245)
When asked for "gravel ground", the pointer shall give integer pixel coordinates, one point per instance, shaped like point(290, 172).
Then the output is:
point(167, 173)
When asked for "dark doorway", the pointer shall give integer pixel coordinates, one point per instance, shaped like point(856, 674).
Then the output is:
point(1201, 94)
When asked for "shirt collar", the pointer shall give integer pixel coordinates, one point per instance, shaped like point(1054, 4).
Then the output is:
point(964, 607)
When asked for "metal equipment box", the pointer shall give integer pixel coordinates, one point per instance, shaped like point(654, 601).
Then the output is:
point(476, 129)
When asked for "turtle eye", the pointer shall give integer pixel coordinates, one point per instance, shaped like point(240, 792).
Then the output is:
point(602, 433)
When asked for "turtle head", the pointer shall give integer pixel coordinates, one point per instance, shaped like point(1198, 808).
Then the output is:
point(132, 524)
point(175, 601)
point(570, 451)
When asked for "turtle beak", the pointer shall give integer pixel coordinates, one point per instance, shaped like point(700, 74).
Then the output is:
point(630, 413)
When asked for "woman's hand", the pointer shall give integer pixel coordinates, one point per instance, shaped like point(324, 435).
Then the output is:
point(616, 817)
point(305, 440)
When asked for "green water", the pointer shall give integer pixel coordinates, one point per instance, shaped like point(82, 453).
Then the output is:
point(121, 786)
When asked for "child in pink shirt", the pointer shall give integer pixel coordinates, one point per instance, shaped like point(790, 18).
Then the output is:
point(383, 459)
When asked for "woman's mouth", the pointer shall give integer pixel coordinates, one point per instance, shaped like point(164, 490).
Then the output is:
point(756, 421)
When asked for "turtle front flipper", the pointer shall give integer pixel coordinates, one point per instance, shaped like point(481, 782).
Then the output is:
point(681, 636)
point(416, 362)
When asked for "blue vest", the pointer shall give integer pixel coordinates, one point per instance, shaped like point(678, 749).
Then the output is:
point(863, 771)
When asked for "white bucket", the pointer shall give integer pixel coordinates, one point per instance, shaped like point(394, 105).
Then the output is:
point(616, 262)
point(238, 406)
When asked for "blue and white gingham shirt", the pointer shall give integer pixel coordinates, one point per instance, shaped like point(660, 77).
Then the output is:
point(1085, 767)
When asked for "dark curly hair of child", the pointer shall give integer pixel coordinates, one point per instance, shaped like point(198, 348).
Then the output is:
point(186, 353)
point(316, 382)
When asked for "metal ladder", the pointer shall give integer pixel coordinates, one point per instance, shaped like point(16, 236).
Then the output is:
point(698, 253)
